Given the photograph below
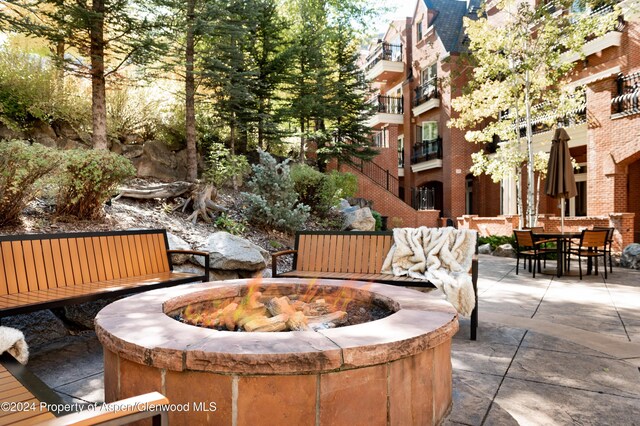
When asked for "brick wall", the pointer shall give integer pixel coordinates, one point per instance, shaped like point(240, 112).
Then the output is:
point(487, 226)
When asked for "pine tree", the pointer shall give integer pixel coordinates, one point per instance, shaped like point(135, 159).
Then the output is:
point(101, 37)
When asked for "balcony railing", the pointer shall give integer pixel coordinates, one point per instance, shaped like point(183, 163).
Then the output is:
point(426, 92)
point(628, 100)
point(384, 52)
point(423, 198)
point(388, 104)
point(426, 151)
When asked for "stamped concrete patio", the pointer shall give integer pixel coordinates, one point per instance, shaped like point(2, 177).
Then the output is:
point(550, 351)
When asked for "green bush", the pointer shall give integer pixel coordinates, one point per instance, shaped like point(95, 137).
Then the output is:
point(89, 178)
point(341, 185)
point(273, 200)
point(21, 167)
point(30, 89)
point(228, 224)
point(322, 191)
point(309, 184)
point(497, 240)
point(222, 166)
point(378, 217)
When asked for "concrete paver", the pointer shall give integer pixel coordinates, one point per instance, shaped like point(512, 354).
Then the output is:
point(550, 351)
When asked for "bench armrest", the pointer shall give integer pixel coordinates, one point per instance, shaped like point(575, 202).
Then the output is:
point(195, 253)
point(121, 412)
point(274, 260)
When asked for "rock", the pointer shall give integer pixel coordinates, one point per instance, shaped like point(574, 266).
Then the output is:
point(359, 220)
point(630, 257)
point(351, 209)
point(360, 202)
point(230, 252)
point(343, 205)
point(71, 144)
point(267, 273)
point(64, 130)
point(177, 243)
point(190, 268)
point(39, 328)
point(9, 134)
point(84, 314)
point(484, 249)
point(221, 275)
point(132, 151)
point(505, 250)
point(39, 130)
point(159, 162)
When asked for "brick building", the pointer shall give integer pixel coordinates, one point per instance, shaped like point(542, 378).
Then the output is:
point(424, 163)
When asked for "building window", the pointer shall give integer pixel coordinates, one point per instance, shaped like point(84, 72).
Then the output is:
point(419, 31)
point(428, 74)
point(380, 139)
point(469, 194)
point(429, 131)
point(577, 206)
point(400, 151)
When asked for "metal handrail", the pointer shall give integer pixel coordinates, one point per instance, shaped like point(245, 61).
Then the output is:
point(384, 52)
point(378, 174)
point(426, 92)
point(426, 151)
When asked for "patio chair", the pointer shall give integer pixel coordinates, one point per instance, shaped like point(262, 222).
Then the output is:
point(607, 248)
point(592, 245)
point(528, 248)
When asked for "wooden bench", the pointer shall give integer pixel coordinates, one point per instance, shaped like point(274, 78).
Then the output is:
point(353, 256)
point(42, 271)
point(26, 400)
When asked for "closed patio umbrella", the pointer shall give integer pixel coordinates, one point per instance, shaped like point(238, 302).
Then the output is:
point(561, 183)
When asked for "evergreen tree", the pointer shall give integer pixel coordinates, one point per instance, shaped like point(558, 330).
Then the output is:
point(100, 37)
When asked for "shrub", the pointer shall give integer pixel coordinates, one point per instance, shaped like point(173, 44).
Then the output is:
point(273, 200)
point(322, 191)
point(309, 184)
point(30, 89)
point(337, 186)
point(222, 166)
point(378, 217)
point(89, 178)
point(497, 240)
point(21, 167)
point(226, 223)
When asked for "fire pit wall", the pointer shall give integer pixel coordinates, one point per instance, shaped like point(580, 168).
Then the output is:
point(396, 370)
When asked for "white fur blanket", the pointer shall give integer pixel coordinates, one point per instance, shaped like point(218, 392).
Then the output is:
point(442, 256)
point(12, 341)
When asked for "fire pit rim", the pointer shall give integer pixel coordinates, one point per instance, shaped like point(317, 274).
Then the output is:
point(422, 321)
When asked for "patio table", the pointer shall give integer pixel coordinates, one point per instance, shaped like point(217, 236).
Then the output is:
point(561, 238)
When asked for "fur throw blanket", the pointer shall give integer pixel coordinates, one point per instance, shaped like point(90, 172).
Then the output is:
point(442, 256)
point(12, 341)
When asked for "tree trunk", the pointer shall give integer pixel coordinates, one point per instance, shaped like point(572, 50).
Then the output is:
point(302, 141)
point(190, 117)
point(99, 99)
point(170, 190)
point(531, 219)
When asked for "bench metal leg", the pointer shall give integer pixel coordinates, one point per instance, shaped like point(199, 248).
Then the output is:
point(474, 313)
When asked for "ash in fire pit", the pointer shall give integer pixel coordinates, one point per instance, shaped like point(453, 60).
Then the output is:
point(295, 312)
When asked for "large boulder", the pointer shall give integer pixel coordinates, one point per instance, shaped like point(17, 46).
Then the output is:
point(177, 243)
point(159, 162)
point(359, 220)
point(505, 250)
point(630, 257)
point(39, 328)
point(230, 252)
point(84, 314)
point(484, 249)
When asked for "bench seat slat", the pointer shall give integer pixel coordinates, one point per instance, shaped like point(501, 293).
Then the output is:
point(11, 390)
point(80, 290)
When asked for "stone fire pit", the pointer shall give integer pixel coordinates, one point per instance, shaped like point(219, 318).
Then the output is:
point(396, 369)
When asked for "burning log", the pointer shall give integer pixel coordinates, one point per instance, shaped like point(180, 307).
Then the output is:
point(277, 323)
point(280, 305)
point(227, 316)
point(331, 320)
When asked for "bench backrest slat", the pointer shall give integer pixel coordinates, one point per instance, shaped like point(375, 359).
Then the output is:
point(342, 252)
point(40, 262)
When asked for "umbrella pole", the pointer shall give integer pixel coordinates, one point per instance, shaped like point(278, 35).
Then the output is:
point(562, 214)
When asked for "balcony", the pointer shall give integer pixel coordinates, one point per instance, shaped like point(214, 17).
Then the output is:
point(627, 101)
point(426, 155)
point(385, 62)
point(426, 97)
point(613, 38)
point(388, 110)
